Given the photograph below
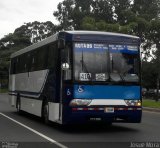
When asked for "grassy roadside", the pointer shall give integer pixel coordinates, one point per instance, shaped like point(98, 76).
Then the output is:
point(151, 103)
point(3, 90)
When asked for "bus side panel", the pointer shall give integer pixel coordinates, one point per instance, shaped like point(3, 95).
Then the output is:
point(29, 86)
point(31, 81)
point(32, 106)
point(53, 112)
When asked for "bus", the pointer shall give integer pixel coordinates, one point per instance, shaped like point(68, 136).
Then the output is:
point(79, 77)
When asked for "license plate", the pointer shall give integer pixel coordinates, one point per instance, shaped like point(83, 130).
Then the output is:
point(95, 119)
point(109, 110)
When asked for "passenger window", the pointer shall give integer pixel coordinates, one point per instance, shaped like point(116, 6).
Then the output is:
point(41, 57)
point(33, 60)
point(52, 54)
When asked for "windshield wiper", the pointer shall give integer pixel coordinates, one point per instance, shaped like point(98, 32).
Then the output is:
point(122, 78)
point(116, 77)
point(84, 66)
point(124, 81)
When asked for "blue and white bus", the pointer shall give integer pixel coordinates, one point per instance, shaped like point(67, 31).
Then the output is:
point(79, 77)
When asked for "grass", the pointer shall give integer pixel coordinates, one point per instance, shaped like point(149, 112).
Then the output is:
point(151, 103)
point(3, 90)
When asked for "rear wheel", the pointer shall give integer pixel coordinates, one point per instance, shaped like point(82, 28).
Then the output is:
point(45, 113)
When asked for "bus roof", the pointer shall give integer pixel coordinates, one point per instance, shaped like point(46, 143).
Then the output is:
point(72, 35)
point(36, 45)
point(101, 33)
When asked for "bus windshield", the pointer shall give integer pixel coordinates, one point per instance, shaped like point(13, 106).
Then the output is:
point(101, 62)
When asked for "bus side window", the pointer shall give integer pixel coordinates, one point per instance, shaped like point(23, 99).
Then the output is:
point(41, 58)
point(33, 60)
point(17, 67)
point(21, 64)
point(51, 56)
point(14, 68)
point(25, 63)
point(28, 62)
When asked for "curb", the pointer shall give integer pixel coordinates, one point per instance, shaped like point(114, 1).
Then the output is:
point(151, 109)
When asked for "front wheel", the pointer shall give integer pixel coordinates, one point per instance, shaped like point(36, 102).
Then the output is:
point(45, 113)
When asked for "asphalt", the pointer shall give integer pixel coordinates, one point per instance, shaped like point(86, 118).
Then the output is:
point(77, 136)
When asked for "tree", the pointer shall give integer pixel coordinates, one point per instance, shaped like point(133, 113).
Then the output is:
point(147, 9)
point(122, 11)
point(89, 23)
point(64, 14)
point(149, 74)
point(102, 10)
point(70, 13)
point(9, 44)
point(37, 31)
point(154, 34)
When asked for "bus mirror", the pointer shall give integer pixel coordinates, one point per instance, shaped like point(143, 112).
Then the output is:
point(65, 66)
point(61, 44)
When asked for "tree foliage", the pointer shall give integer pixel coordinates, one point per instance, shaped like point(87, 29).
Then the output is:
point(70, 13)
point(37, 31)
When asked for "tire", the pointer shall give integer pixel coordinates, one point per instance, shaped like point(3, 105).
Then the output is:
point(45, 113)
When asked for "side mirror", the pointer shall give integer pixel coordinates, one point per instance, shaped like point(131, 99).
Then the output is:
point(61, 44)
point(65, 66)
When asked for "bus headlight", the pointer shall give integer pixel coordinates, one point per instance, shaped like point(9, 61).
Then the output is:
point(80, 102)
point(133, 102)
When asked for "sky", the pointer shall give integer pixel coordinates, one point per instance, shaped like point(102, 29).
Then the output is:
point(14, 13)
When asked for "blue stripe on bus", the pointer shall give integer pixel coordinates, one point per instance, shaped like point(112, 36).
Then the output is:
point(106, 92)
point(124, 51)
point(103, 50)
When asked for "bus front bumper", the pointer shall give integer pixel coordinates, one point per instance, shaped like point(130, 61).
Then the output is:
point(104, 115)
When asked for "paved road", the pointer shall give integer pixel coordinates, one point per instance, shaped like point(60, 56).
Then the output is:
point(29, 131)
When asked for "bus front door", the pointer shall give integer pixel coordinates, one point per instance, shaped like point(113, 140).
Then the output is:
point(65, 75)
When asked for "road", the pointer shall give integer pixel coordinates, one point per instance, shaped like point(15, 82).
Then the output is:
point(29, 131)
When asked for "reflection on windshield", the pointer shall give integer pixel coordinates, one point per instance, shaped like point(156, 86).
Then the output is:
point(124, 67)
point(91, 62)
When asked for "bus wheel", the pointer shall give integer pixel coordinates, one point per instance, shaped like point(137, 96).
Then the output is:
point(45, 113)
